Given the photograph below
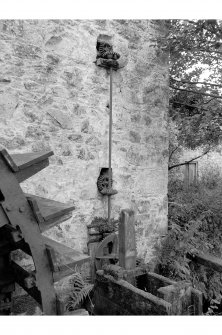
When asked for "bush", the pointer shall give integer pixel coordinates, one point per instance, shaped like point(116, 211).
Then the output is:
point(211, 176)
point(195, 224)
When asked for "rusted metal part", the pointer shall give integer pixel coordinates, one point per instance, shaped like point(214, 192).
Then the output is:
point(110, 141)
point(107, 251)
point(107, 58)
point(105, 49)
point(107, 63)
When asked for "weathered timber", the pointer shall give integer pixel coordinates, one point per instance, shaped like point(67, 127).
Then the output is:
point(19, 213)
point(63, 259)
point(22, 219)
point(212, 262)
point(197, 301)
point(49, 212)
point(118, 297)
point(28, 159)
point(27, 164)
point(9, 246)
point(127, 240)
point(30, 171)
point(24, 279)
point(27, 279)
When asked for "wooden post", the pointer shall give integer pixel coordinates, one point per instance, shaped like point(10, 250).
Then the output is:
point(127, 240)
point(190, 174)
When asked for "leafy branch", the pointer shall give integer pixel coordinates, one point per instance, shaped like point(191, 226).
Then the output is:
point(196, 92)
point(189, 161)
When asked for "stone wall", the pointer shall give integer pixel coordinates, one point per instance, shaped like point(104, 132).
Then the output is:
point(53, 96)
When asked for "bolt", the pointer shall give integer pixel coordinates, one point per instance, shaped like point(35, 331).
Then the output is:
point(21, 209)
point(8, 208)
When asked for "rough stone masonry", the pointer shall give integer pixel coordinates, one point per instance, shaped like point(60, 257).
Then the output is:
point(53, 96)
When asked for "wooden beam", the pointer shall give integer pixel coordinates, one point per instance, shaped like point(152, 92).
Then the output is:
point(49, 213)
point(63, 259)
point(212, 262)
point(28, 159)
point(27, 164)
point(27, 281)
point(127, 240)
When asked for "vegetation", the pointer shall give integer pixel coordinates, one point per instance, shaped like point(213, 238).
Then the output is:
point(195, 224)
point(195, 103)
point(74, 291)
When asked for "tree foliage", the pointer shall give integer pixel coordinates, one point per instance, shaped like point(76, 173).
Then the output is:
point(195, 82)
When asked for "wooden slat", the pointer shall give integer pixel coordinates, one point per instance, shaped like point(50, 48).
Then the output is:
point(22, 277)
point(63, 258)
point(9, 160)
point(30, 171)
point(50, 209)
point(27, 164)
point(46, 225)
point(28, 159)
point(127, 240)
point(212, 262)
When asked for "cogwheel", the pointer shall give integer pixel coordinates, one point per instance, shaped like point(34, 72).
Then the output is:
point(103, 182)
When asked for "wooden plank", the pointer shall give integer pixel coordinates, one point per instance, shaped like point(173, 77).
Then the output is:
point(30, 171)
point(60, 248)
point(197, 301)
point(44, 226)
point(28, 159)
point(127, 240)
point(9, 160)
point(212, 262)
point(69, 269)
point(27, 164)
point(50, 209)
point(24, 279)
point(62, 258)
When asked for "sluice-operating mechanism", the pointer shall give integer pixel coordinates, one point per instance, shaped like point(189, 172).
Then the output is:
point(107, 59)
point(23, 219)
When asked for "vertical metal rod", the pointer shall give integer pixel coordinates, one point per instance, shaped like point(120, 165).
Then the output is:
point(110, 141)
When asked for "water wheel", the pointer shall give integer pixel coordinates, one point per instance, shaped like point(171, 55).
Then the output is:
point(23, 219)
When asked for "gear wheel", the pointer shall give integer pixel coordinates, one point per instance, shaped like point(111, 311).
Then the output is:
point(103, 185)
point(103, 182)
